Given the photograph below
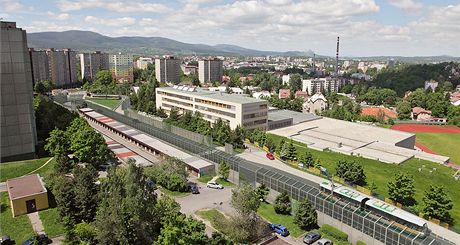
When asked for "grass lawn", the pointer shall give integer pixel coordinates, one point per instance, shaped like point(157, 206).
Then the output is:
point(18, 228)
point(50, 219)
point(173, 193)
point(225, 183)
point(443, 144)
point(111, 103)
point(20, 168)
point(213, 215)
point(381, 173)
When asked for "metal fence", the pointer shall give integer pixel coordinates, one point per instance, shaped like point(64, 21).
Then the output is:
point(372, 224)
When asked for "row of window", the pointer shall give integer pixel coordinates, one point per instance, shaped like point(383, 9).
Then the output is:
point(253, 115)
point(175, 95)
point(178, 102)
point(228, 114)
point(208, 102)
point(257, 122)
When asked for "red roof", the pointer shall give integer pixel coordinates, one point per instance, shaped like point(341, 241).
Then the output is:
point(374, 111)
point(284, 93)
point(418, 110)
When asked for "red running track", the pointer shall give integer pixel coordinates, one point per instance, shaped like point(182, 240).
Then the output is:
point(420, 128)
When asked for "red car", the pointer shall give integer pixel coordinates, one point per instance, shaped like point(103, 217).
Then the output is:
point(270, 156)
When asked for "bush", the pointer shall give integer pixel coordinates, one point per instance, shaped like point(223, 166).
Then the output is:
point(283, 204)
point(360, 243)
point(334, 232)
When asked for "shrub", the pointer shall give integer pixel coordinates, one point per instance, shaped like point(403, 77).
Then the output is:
point(334, 232)
point(283, 204)
point(360, 243)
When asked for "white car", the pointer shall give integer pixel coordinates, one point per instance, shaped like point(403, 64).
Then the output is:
point(214, 185)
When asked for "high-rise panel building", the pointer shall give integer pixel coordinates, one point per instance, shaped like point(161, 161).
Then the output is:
point(40, 66)
point(62, 66)
point(316, 85)
point(121, 66)
point(143, 62)
point(91, 63)
point(167, 70)
point(210, 70)
point(18, 132)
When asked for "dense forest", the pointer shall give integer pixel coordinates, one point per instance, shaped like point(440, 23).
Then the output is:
point(411, 77)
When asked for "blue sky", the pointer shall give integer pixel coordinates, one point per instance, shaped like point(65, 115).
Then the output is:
point(366, 27)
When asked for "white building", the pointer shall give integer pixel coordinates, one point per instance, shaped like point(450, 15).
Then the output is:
point(232, 90)
point(315, 104)
point(261, 94)
point(167, 70)
point(431, 84)
point(143, 62)
point(286, 79)
point(121, 66)
point(313, 86)
point(237, 110)
point(210, 70)
point(91, 63)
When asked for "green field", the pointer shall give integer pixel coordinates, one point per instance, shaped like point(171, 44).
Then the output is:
point(381, 173)
point(20, 168)
point(111, 103)
point(442, 144)
point(18, 228)
point(50, 219)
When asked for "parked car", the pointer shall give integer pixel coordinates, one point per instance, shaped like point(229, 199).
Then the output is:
point(214, 185)
point(280, 229)
point(324, 242)
point(311, 237)
point(194, 189)
point(41, 239)
point(6, 240)
point(270, 156)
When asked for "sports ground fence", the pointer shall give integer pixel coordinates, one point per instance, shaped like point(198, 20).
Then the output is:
point(372, 224)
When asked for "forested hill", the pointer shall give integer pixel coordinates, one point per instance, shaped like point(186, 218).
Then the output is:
point(411, 77)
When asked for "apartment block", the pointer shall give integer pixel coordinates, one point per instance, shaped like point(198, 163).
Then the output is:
point(210, 70)
point(91, 63)
point(40, 66)
point(251, 113)
point(143, 62)
point(319, 85)
point(121, 66)
point(18, 131)
point(62, 66)
point(167, 69)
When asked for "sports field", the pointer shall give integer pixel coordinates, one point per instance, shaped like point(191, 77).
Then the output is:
point(442, 140)
point(111, 103)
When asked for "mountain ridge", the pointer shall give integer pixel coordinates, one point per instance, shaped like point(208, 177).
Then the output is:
point(92, 41)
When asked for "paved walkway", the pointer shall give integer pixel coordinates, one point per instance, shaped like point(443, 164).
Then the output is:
point(3, 187)
point(36, 222)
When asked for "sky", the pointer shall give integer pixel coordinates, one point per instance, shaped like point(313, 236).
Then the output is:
point(365, 27)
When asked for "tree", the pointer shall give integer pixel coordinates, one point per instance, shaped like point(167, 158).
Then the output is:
point(63, 164)
point(437, 203)
point(244, 199)
point(305, 215)
point(170, 174)
point(89, 146)
point(85, 233)
point(402, 189)
point(42, 87)
point(404, 110)
point(283, 204)
point(180, 229)
point(86, 193)
point(236, 137)
point(291, 152)
point(351, 172)
point(279, 148)
point(262, 192)
point(57, 143)
point(167, 207)
point(127, 211)
point(218, 239)
point(295, 82)
point(270, 144)
point(373, 188)
point(65, 200)
point(307, 159)
point(224, 170)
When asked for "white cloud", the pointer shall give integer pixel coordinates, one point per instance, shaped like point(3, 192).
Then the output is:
point(11, 6)
point(117, 22)
point(409, 6)
point(115, 6)
point(61, 16)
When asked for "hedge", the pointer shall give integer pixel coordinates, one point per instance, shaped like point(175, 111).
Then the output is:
point(360, 243)
point(334, 232)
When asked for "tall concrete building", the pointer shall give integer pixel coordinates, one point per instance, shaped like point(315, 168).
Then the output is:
point(62, 66)
point(40, 65)
point(18, 132)
point(167, 70)
point(317, 85)
point(210, 70)
point(91, 63)
point(121, 66)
